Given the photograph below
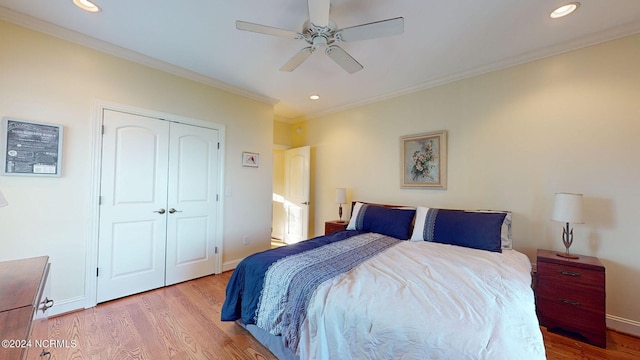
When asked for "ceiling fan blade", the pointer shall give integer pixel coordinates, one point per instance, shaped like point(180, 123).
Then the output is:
point(343, 59)
point(297, 59)
point(319, 12)
point(373, 30)
point(263, 29)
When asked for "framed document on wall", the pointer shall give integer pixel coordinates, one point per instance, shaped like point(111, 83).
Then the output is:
point(31, 148)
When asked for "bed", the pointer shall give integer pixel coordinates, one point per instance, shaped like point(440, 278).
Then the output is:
point(399, 283)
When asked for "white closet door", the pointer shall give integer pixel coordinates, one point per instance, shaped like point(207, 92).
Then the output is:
point(133, 205)
point(191, 227)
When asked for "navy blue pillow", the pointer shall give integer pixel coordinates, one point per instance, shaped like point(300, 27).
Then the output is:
point(387, 221)
point(469, 229)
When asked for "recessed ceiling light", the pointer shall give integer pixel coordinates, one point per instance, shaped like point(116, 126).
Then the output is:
point(314, 97)
point(86, 5)
point(564, 10)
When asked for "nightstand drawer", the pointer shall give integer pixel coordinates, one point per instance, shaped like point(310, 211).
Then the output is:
point(566, 275)
point(587, 322)
point(583, 299)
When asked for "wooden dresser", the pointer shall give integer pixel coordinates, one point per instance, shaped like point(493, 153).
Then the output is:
point(570, 296)
point(21, 285)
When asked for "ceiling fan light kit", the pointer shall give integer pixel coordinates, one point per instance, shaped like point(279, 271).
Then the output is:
point(320, 31)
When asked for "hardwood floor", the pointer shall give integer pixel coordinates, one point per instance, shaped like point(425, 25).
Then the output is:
point(183, 322)
point(176, 322)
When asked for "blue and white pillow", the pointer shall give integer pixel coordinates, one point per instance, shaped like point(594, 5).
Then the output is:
point(472, 229)
point(394, 222)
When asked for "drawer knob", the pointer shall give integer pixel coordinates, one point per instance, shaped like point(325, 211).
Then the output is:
point(570, 302)
point(569, 273)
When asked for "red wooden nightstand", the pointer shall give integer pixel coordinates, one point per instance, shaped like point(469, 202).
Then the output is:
point(334, 226)
point(570, 296)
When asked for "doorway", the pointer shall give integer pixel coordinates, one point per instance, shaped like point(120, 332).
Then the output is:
point(291, 197)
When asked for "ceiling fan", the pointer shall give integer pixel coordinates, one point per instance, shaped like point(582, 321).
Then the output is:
point(320, 31)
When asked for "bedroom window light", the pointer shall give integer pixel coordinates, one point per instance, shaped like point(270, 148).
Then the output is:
point(564, 10)
point(86, 5)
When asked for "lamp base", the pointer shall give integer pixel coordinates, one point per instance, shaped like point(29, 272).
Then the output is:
point(568, 256)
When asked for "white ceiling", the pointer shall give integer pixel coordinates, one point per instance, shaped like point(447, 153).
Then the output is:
point(443, 41)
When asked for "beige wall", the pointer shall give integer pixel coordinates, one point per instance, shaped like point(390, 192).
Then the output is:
point(46, 79)
point(282, 133)
point(566, 123)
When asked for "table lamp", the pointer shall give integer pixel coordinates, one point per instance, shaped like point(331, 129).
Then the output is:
point(341, 198)
point(567, 208)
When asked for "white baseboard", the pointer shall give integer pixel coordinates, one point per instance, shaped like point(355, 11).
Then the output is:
point(66, 306)
point(623, 325)
point(230, 265)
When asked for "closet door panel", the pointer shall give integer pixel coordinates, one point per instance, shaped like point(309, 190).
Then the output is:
point(193, 180)
point(133, 218)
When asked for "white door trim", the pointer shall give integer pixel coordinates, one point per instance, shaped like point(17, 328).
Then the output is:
point(90, 291)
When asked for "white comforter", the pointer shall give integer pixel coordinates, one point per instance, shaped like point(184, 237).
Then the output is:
point(423, 300)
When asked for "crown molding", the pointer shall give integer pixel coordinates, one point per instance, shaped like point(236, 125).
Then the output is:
point(111, 49)
point(583, 42)
point(114, 50)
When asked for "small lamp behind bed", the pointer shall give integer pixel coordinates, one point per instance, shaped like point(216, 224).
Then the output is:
point(341, 198)
point(567, 208)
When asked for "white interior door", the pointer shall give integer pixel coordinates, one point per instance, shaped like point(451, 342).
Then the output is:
point(191, 227)
point(158, 209)
point(133, 205)
point(297, 167)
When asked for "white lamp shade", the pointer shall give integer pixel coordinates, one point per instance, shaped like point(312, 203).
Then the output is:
point(568, 208)
point(3, 201)
point(341, 196)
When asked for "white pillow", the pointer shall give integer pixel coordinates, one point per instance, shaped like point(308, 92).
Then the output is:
point(354, 216)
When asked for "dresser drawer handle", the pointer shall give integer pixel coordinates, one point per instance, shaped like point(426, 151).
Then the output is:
point(569, 273)
point(570, 302)
point(46, 304)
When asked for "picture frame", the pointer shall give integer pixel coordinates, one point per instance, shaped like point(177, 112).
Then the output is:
point(250, 159)
point(424, 160)
point(31, 148)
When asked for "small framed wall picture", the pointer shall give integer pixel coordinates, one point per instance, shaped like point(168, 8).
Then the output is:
point(31, 148)
point(250, 159)
point(424, 160)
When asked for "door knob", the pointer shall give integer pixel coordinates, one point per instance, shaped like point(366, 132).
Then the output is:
point(305, 203)
point(172, 210)
point(161, 211)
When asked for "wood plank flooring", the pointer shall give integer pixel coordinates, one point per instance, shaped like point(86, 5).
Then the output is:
point(183, 322)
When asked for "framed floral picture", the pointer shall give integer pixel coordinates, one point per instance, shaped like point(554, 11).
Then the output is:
point(424, 160)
